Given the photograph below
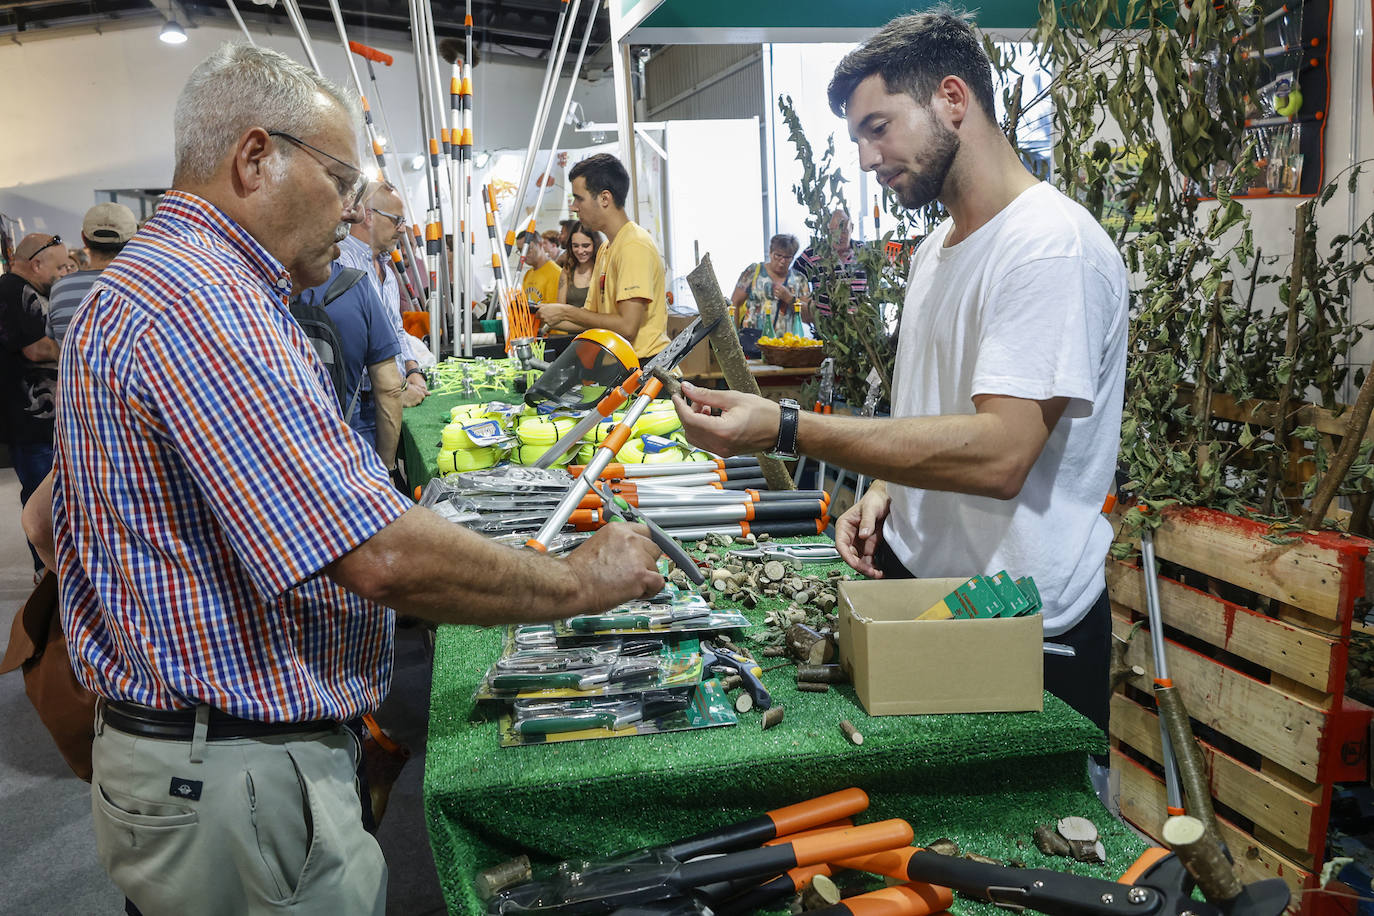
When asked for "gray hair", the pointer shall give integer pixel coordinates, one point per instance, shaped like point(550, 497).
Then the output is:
point(242, 86)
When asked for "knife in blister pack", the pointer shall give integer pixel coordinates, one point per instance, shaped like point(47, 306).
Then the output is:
point(550, 717)
point(626, 671)
point(592, 623)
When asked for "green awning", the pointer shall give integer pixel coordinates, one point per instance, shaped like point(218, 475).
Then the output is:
point(736, 22)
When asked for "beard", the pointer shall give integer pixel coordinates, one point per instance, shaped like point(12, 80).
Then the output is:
point(923, 187)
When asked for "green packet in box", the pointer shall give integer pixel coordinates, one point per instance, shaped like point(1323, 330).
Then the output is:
point(982, 597)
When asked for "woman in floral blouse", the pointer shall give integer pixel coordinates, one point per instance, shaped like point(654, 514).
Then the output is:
point(770, 295)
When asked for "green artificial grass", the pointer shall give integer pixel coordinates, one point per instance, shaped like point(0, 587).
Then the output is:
point(984, 781)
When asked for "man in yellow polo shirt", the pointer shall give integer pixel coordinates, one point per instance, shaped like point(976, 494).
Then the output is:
point(626, 295)
point(541, 280)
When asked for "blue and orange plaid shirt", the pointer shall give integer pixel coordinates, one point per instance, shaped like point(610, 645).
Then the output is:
point(203, 479)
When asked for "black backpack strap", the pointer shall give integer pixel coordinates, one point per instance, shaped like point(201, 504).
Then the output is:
point(343, 281)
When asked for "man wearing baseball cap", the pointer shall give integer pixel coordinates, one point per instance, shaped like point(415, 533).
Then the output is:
point(28, 359)
point(105, 230)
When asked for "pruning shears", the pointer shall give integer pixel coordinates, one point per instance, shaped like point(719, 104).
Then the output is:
point(825, 394)
point(802, 553)
point(716, 657)
point(621, 508)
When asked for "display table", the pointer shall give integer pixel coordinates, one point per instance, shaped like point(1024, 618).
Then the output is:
point(983, 780)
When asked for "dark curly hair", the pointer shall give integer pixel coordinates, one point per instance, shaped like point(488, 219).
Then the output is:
point(912, 54)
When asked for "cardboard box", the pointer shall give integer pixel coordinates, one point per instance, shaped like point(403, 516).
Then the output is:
point(699, 361)
point(903, 666)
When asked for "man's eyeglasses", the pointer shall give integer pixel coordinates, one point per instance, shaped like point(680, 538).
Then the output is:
point(55, 240)
point(396, 218)
point(350, 191)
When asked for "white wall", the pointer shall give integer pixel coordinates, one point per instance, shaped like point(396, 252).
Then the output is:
point(95, 111)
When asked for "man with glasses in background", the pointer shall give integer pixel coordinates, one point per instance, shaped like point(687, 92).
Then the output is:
point(231, 556)
point(368, 248)
point(28, 367)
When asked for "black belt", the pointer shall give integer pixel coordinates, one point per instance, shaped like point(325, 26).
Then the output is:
point(179, 724)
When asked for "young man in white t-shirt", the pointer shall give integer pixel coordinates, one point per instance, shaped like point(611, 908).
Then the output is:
point(1011, 359)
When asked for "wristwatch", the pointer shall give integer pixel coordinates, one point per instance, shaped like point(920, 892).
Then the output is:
point(785, 449)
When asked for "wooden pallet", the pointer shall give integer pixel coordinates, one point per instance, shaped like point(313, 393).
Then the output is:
point(1257, 638)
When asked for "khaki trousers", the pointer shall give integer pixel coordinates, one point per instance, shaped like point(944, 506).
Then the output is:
point(261, 825)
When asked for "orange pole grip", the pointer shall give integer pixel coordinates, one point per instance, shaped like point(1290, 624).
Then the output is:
point(840, 824)
point(802, 877)
point(1140, 866)
point(749, 511)
point(852, 841)
point(455, 86)
point(890, 863)
point(433, 147)
point(817, 811)
point(652, 388)
point(619, 395)
point(615, 442)
point(901, 900)
point(444, 135)
point(533, 544)
point(372, 54)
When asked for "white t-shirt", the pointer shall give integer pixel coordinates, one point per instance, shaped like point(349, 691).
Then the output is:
point(1032, 305)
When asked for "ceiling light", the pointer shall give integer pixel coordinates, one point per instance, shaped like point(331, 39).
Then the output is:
point(417, 163)
point(172, 33)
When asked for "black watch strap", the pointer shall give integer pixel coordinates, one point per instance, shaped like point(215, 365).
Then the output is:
point(786, 446)
point(416, 371)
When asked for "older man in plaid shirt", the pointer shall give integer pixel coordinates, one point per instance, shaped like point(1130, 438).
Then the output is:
point(229, 551)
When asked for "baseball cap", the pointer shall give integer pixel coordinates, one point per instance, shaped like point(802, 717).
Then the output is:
point(110, 223)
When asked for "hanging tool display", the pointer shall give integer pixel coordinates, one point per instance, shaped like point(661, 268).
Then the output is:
point(404, 255)
point(870, 407)
point(467, 236)
point(369, 55)
point(562, 37)
point(825, 404)
point(459, 300)
point(542, 186)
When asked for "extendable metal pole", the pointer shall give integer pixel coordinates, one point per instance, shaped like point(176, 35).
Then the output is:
point(567, 106)
point(562, 37)
point(1172, 790)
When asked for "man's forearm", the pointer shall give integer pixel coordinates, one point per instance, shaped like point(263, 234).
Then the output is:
point(386, 394)
point(964, 453)
point(423, 565)
point(585, 320)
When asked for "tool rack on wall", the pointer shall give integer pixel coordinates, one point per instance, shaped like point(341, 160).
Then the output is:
point(1287, 101)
